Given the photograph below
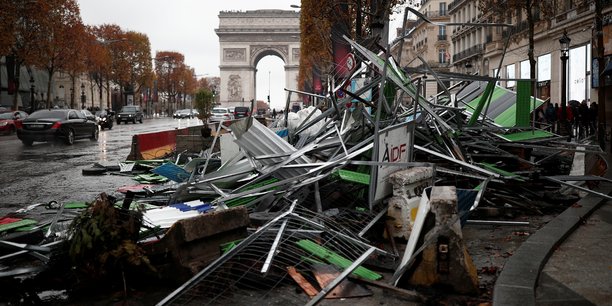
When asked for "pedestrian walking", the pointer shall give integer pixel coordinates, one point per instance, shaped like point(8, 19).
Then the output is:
point(585, 117)
point(274, 113)
point(593, 117)
point(551, 115)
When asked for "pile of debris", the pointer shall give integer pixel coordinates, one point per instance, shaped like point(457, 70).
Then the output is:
point(353, 195)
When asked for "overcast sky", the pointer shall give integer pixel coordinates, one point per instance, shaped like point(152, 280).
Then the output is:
point(187, 26)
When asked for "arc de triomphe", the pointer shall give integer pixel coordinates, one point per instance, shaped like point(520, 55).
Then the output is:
point(244, 39)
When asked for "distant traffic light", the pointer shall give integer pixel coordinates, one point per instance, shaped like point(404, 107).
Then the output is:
point(268, 98)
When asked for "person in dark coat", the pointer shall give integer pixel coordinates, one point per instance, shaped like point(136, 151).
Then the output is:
point(585, 118)
point(551, 115)
point(593, 117)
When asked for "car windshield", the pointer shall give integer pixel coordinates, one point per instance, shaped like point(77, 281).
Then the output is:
point(57, 114)
point(219, 110)
point(184, 111)
point(129, 109)
point(101, 113)
point(6, 116)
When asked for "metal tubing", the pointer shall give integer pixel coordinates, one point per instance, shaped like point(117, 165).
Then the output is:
point(369, 225)
point(357, 241)
point(272, 252)
point(587, 190)
point(496, 222)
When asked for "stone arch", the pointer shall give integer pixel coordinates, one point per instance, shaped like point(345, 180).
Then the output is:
point(244, 39)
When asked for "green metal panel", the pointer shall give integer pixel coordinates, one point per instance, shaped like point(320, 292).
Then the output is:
point(481, 103)
point(527, 135)
point(523, 95)
point(336, 259)
point(17, 224)
point(355, 177)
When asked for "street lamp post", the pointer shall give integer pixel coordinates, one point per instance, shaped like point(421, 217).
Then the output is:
point(32, 103)
point(82, 96)
point(564, 41)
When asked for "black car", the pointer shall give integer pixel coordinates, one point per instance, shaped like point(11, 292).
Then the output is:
point(105, 119)
point(130, 113)
point(241, 112)
point(56, 124)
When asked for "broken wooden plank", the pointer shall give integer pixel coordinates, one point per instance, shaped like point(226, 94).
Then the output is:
point(326, 274)
point(301, 281)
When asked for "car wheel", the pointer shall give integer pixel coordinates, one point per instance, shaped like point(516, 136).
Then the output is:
point(134, 121)
point(96, 134)
point(140, 120)
point(110, 126)
point(118, 122)
point(69, 137)
point(27, 143)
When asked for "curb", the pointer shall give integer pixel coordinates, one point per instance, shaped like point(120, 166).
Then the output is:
point(518, 280)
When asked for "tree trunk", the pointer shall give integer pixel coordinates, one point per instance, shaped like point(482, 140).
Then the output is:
point(531, 56)
point(50, 72)
point(108, 101)
point(73, 80)
point(18, 64)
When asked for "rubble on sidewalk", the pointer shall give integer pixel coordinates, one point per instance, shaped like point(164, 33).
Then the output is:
point(351, 198)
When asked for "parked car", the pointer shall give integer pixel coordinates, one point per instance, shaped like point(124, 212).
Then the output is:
point(7, 121)
point(241, 112)
point(129, 113)
point(220, 114)
point(105, 119)
point(183, 113)
point(56, 124)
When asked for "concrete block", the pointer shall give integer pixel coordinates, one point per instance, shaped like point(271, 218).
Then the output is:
point(401, 213)
point(411, 182)
point(445, 260)
point(190, 244)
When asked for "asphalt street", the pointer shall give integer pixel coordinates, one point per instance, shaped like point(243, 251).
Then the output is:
point(53, 171)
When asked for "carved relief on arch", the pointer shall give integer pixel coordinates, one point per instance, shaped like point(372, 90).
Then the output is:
point(234, 87)
point(295, 54)
point(234, 54)
point(282, 49)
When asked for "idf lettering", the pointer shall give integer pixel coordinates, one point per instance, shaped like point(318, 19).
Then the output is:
point(394, 153)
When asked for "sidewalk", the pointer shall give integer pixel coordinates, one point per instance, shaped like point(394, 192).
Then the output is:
point(580, 271)
point(566, 262)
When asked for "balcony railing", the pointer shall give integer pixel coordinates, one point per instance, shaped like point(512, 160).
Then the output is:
point(442, 37)
point(477, 49)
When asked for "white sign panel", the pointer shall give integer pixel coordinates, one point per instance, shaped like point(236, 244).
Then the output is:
point(394, 146)
point(577, 74)
point(525, 69)
point(544, 67)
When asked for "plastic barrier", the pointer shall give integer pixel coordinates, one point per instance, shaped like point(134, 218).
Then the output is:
point(155, 145)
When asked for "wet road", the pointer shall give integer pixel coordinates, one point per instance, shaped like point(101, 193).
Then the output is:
point(52, 171)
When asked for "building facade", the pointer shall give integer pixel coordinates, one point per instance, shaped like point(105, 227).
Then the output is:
point(427, 46)
point(482, 50)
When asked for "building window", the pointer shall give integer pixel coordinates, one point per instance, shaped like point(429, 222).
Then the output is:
point(525, 69)
point(442, 56)
point(510, 74)
point(442, 8)
point(442, 30)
